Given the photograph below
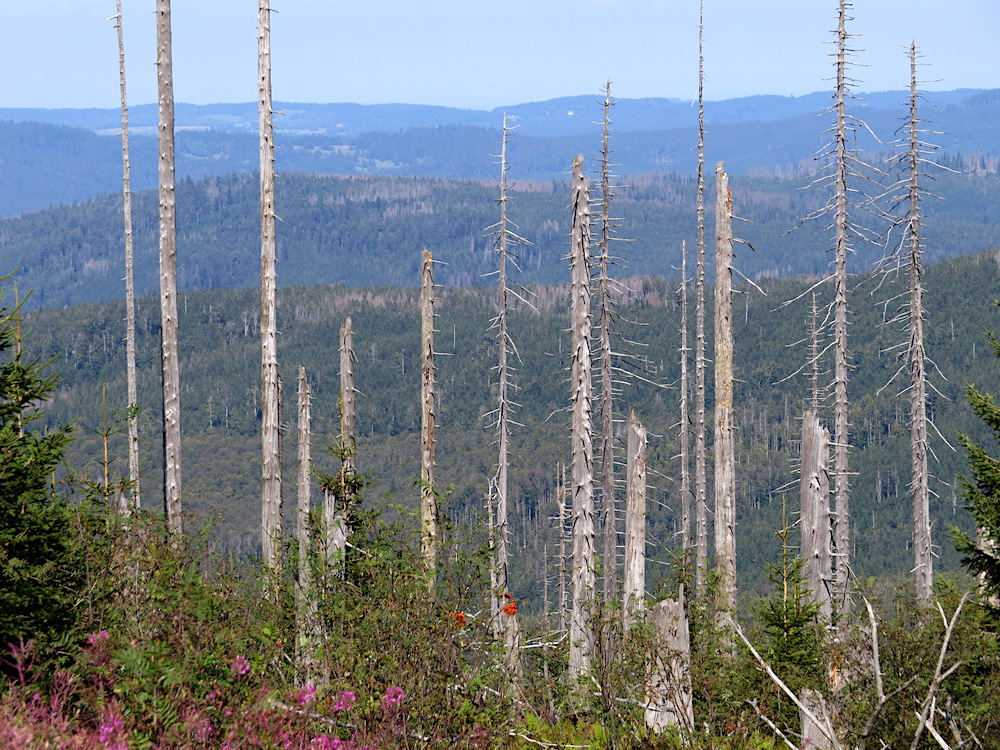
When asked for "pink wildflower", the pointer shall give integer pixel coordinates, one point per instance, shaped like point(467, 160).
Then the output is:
point(306, 695)
point(241, 667)
point(393, 697)
point(345, 699)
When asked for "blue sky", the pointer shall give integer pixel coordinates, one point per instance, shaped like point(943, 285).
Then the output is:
point(479, 54)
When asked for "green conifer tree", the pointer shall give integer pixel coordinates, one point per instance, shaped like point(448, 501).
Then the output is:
point(37, 583)
point(982, 497)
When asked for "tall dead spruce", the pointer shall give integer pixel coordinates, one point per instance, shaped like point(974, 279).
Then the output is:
point(909, 254)
point(270, 431)
point(168, 274)
point(605, 357)
point(131, 501)
point(581, 634)
point(504, 607)
point(700, 471)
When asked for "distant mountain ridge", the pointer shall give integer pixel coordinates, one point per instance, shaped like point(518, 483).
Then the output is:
point(553, 117)
point(53, 157)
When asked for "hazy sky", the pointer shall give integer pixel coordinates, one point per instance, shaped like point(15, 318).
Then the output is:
point(485, 54)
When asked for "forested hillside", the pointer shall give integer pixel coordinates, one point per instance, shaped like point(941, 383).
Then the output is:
point(220, 368)
point(368, 231)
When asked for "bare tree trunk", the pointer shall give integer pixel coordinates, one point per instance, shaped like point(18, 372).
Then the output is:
point(270, 529)
point(337, 503)
point(168, 275)
point(814, 493)
point(841, 248)
point(700, 471)
point(564, 516)
point(306, 612)
point(669, 690)
point(634, 589)
point(725, 462)
point(428, 498)
point(923, 570)
point(608, 502)
point(506, 622)
point(581, 648)
point(685, 428)
point(132, 502)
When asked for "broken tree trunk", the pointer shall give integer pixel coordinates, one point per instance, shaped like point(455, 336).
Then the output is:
point(668, 693)
point(581, 636)
point(814, 493)
point(725, 462)
point(428, 498)
point(634, 588)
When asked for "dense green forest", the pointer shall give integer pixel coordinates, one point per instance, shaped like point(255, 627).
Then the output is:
point(220, 368)
point(368, 231)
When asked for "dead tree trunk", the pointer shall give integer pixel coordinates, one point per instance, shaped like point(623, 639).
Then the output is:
point(131, 501)
point(506, 621)
point(841, 248)
point(306, 611)
point(923, 567)
point(428, 497)
point(270, 528)
point(725, 463)
point(339, 498)
point(669, 700)
point(814, 494)
point(581, 648)
point(634, 588)
point(564, 516)
point(608, 501)
point(168, 274)
point(685, 428)
point(700, 471)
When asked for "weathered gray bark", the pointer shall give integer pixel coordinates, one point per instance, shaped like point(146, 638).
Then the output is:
point(336, 504)
point(581, 648)
point(700, 471)
point(506, 621)
point(634, 588)
point(923, 567)
point(605, 354)
point(270, 427)
point(814, 493)
point(564, 542)
point(428, 498)
point(725, 446)
point(685, 427)
point(168, 274)
point(814, 735)
point(130, 501)
point(669, 694)
point(306, 610)
point(841, 365)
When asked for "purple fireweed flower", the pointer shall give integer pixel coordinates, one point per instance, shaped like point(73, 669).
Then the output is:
point(241, 667)
point(393, 697)
point(307, 695)
point(345, 699)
